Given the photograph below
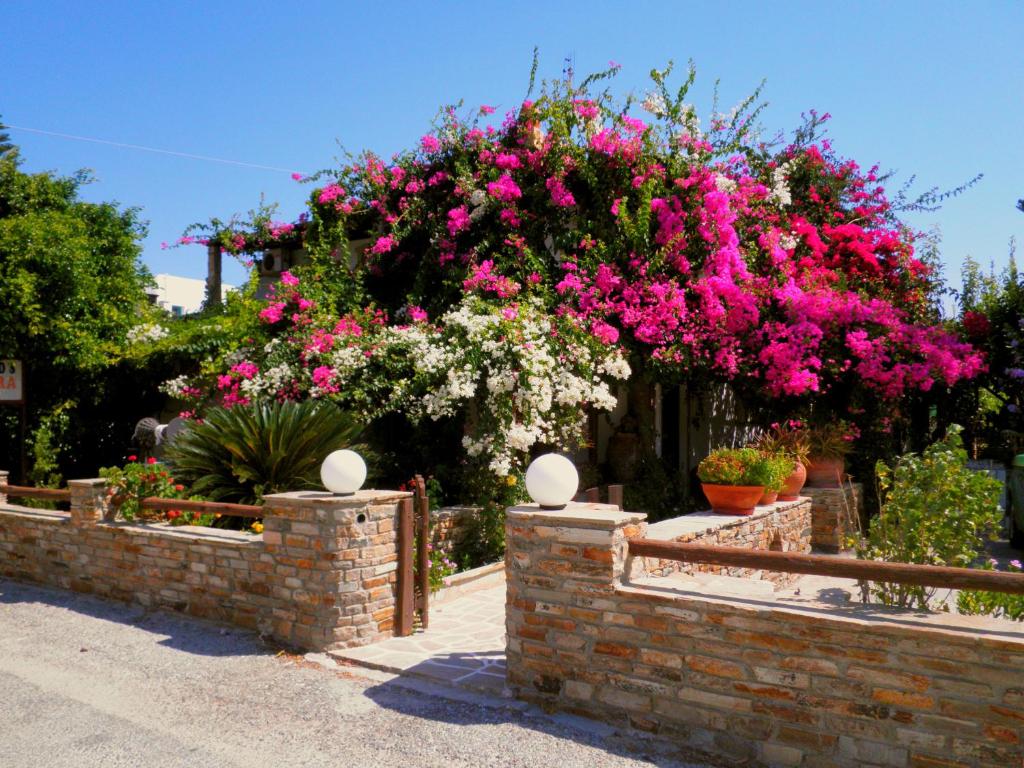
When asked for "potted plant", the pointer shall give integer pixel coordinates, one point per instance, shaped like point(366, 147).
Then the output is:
point(788, 438)
point(730, 480)
point(828, 445)
point(773, 470)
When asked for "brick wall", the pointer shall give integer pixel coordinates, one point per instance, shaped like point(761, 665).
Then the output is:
point(750, 681)
point(835, 514)
point(321, 575)
point(783, 526)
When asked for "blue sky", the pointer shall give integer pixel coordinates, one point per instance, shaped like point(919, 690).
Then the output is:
point(926, 88)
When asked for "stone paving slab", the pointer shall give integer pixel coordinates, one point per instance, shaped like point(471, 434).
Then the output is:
point(465, 645)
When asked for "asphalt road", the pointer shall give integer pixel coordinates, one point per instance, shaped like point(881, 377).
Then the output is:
point(86, 682)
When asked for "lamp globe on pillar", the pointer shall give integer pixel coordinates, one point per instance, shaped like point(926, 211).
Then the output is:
point(343, 472)
point(552, 481)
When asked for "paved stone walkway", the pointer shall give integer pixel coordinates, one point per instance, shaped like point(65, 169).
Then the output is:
point(465, 645)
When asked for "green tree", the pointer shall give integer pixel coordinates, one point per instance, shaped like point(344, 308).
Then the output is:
point(71, 287)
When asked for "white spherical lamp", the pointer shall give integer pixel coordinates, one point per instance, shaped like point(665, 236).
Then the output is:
point(343, 472)
point(552, 481)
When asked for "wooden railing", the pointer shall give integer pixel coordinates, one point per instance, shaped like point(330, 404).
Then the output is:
point(27, 492)
point(830, 565)
point(203, 507)
point(150, 502)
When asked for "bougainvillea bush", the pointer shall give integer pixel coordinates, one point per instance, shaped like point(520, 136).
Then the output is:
point(503, 262)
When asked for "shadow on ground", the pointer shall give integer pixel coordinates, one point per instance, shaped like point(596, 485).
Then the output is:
point(181, 632)
point(483, 710)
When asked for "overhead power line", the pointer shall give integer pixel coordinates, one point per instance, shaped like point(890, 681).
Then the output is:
point(141, 148)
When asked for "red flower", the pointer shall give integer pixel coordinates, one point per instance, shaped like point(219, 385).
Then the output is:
point(151, 460)
point(173, 513)
point(976, 325)
point(179, 487)
point(133, 458)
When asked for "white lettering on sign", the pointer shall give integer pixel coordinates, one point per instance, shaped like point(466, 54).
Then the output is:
point(12, 379)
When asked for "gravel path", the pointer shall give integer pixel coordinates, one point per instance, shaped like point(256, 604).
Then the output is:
point(86, 682)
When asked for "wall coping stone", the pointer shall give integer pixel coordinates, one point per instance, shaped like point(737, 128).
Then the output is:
point(579, 513)
point(90, 482)
point(35, 514)
point(320, 499)
point(984, 630)
point(196, 534)
point(708, 522)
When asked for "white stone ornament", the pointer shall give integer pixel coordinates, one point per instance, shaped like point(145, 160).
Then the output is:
point(552, 481)
point(343, 472)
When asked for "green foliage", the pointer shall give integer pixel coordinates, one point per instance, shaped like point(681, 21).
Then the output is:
point(129, 484)
point(772, 470)
point(998, 604)
point(240, 454)
point(832, 440)
point(441, 566)
point(71, 288)
point(734, 466)
point(934, 511)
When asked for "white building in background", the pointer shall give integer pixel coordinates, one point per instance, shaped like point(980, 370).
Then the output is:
point(180, 295)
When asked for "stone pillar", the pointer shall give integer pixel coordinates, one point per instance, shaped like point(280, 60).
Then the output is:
point(4, 475)
point(89, 501)
point(835, 515)
point(333, 562)
point(560, 566)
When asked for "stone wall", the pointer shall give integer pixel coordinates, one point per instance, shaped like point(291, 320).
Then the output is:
point(835, 514)
point(451, 526)
point(751, 681)
point(783, 527)
point(321, 575)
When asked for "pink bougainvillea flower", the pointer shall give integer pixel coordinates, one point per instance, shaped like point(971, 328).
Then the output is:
point(504, 189)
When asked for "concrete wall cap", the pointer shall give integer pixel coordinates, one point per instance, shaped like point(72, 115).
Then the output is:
point(320, 499)
point(92, 482)
point(591, 515)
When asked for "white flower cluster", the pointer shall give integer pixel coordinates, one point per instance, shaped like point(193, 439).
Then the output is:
point(780, 188)
point(655, 104)
point(175, 387)
point(532, 385)
point(724, 184)
point(268, 383)
point(149, 332)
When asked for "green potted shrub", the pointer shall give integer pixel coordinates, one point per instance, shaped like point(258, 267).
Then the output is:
point(788, 438)
point(731, 479)
point(773, 471)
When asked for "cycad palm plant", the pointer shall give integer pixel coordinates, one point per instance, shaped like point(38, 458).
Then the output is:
point(240, 454)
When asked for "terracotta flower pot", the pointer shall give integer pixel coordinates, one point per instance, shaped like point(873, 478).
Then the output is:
point(825, 472)
point(767, 498)
point(732, 499)
point(791, 488)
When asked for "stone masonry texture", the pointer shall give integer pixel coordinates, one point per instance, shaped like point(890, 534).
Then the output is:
point(753, 683)
point(321, 575)
point(835, 515)
point(782, 526)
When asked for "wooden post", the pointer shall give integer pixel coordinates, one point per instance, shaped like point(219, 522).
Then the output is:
point(423, 553)
point(405, 607)
point(592, 495)
point(213, 276)
point(615, 493)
